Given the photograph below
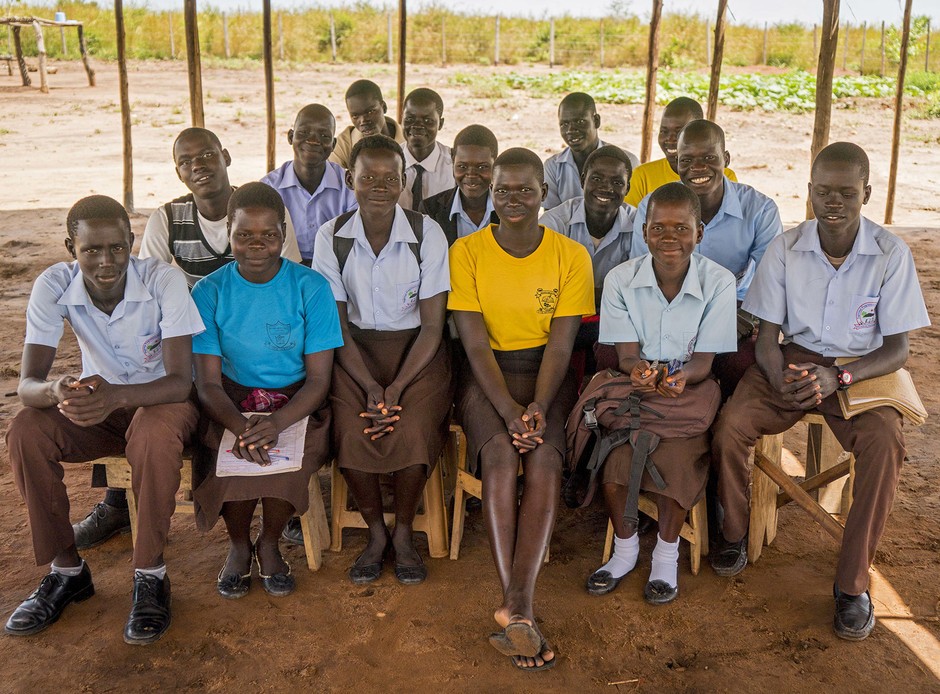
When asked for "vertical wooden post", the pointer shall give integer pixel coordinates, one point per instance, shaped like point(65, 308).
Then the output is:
point(65, 48)
point(861, 57)
point(602, 44)
point(169, 21)
point(551, 42)
point(898, 113)
point(882, 48)
point(652, 73)
point(225, 41)
point(402, 53)
point(267, 55)
point(845, 48)
point(332, 37)
point(443, 43)
point(194, 62)
point(41, 49)
point(927, 49)
point(764, 52)
point(128, 154)
point(496, 44)
point(713, 83)
point(826, 66)
point(388, 53)
point(20, 60)
point(280, 37)
point(83, 49)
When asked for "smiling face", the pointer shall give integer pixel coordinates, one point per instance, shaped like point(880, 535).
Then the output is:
point(102, 248)
point(473, 170)
point(702, 162)
point(312, 138)
point(421, 122)
point(367, 114)
point(605, 185)
point(671, 232)
point(517, 195)
point(377, 179)
point(837, 193)
point(202, 165)
point(578, 124)
point(257, 237)
point(669, 128)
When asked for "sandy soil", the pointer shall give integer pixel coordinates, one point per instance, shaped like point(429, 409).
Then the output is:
point(768, 629)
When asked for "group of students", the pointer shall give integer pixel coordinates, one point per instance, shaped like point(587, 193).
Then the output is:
point(437, 286)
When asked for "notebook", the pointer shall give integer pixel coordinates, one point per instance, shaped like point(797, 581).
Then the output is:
point(286, 456)
point(892, 390)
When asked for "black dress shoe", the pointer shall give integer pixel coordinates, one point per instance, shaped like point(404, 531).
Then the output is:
point(233, 586)
point(293, 534)
point(602, 582)
point(361, 574)
point(659, 592)
point(103, 523)
point(150, 613)
point(46, 603)
point(855, 616)
point(731, 559)
point(411, 575)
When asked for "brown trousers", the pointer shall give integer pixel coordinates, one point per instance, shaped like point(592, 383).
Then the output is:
point(152, 438)
point(874, 437)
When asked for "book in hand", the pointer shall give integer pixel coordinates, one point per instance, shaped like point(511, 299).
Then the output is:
point(891, 390)
point(286, 455)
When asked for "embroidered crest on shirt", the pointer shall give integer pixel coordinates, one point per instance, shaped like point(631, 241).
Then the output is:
point(152, 349)
point(279, 337)
point(409, 297)
point(690, 349)
point(547, 298)
point(865, 316)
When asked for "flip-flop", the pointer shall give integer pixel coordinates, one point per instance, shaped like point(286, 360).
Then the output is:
point(518, 638)
point(546, 665)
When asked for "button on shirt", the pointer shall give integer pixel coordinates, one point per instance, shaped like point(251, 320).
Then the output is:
point(737, 235)
point(844, 312)
point(308, 212)
point(127, 346)
point(382, 293)
point(563, 178)
point(465, 225)
point(570, 219)
point(701, 318)
point(438, 173)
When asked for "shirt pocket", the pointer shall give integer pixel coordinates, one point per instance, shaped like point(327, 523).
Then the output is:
point(150, 348)
point(406, 294)
point(863, 316)
point(688, 345)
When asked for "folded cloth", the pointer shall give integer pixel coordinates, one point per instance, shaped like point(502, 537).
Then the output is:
point(261, 400)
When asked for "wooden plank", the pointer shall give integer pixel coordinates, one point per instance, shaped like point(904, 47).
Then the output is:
point(127, 145)
point(898, 113)
point(713, 82)
point(816, 481)
point(194, 64)
point(652, 72)
point(825, 68)
point(268, 84)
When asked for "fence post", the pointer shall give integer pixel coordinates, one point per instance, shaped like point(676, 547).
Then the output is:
point(228, 50)
point(496, 44)
point(169, 21)
point(764, 56)
point(332, 37)
point(388, 52)
point(551, 42)
point(861, 59)
point(845, 47)
point(280, 32)
point(882, 48)
point(443, 42)
point(602, 44)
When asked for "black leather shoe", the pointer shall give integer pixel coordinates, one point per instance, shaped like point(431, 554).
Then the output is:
point(293, 534)
point(659, 592)
point(731, 559)
point(46, 603)
point(411, 575)
point(855, 616)
point(150, 613)
point(233, 586)
point(103, 523)
point(602, 582)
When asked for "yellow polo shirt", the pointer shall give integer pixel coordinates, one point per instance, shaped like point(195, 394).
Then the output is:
point(649, 176)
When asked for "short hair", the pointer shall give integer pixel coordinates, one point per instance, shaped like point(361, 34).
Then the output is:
point(520, 156)
point(422, 95)
point(699, 128)
point(95, 207)
point(364, 88)
point(675, 192)
point(684, 104)
point(213, 138)
point(847, 154)
point(477, 136)
point(316, 110)
point(613, 152)
point(256, 194)
point(376, 142)
point(579, 99)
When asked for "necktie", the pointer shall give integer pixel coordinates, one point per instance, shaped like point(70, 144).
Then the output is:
point(416, 187)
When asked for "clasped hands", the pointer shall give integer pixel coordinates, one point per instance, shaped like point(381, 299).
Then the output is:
point(807, 385)
point(527, 428)
point(84, 402)
point(649, 378)
point(383, 409)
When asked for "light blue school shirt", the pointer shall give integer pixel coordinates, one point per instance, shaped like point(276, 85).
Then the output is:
point(382, 292)
point(838, 313)
point(570, 219)
point(127, 346)
point(701, 318)
point(737, 235)
point(465, 225)
point(309, 211)
point(563, 179)
point(262, 331)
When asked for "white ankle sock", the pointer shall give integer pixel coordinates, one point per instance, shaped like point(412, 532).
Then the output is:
point(158, 571)
point(624, 557)
point(70, 571)
point(665, 562)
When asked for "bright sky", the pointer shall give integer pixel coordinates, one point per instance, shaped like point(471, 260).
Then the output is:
point(741, 11)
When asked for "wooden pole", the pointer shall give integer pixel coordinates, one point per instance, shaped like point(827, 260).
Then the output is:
point(764, 52)
point(898, 113)
point(782, 479)
point(83, 49)
point(861, 58)
point(128, 153)
point(280, 37)
point(65, 48)
point(41, 49)
point(268, 81)
point(194, 63)
point(845, 48)
point(713, 83)
point(332, 37)
point(169, 21)
point(20, 60)
point(825, 67)
point(882, 48)
point(443, 43)
point(496, 44)
point(402, 50)
point(389, 53)
point(225, 41)
point(652, 73)
point(551, 43)
point(602, 44)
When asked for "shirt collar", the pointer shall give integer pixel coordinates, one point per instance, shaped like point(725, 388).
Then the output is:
point(622, 225)
point(645, 277)
point(865, 243)
point(429, 162)
point(730, 202)
point(76, 294)
point(567, 156)
point(456, 207)
point(401, 229)
point(331, 178)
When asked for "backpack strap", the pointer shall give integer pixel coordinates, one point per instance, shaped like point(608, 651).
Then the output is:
point(342, 245)
point(644, 442)
point(416, 220)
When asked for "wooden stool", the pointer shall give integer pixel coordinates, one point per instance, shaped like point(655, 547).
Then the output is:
point(694, 530)
point(827, 466)
point(316, 530)
point(431, 519)
point(466, 484)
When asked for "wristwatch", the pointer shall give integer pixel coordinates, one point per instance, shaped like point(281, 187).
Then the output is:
point(845, 378)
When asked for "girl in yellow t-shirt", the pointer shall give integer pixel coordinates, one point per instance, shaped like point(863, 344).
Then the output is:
point(518, 292)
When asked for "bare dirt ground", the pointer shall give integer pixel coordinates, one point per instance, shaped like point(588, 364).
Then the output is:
point(765, 630)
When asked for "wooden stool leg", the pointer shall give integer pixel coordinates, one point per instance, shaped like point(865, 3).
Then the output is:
point(436, 513)
point(338, 503)
point(698, 546)
point(608, 542)
point(460, 512)
point(314, 525)
point(763, 520)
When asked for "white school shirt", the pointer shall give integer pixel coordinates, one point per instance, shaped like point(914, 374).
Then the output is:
point(127, 346)
point(838, 313)
point(465, 225)
point(382, 293)
point(438, 173)
point(701, 318)
point(563, 179)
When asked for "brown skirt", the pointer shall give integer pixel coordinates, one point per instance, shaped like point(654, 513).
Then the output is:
point(210, 492)
point(520, 368)
point(420, 434)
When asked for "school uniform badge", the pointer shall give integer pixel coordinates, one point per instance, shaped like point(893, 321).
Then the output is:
point(547, 299)
point(152, 348)
point(279, 336)
point(865, 315)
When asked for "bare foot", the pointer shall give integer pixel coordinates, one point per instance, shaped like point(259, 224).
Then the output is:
point(543, 660)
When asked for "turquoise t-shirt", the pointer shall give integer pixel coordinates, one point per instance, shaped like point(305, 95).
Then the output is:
point(263, 331)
